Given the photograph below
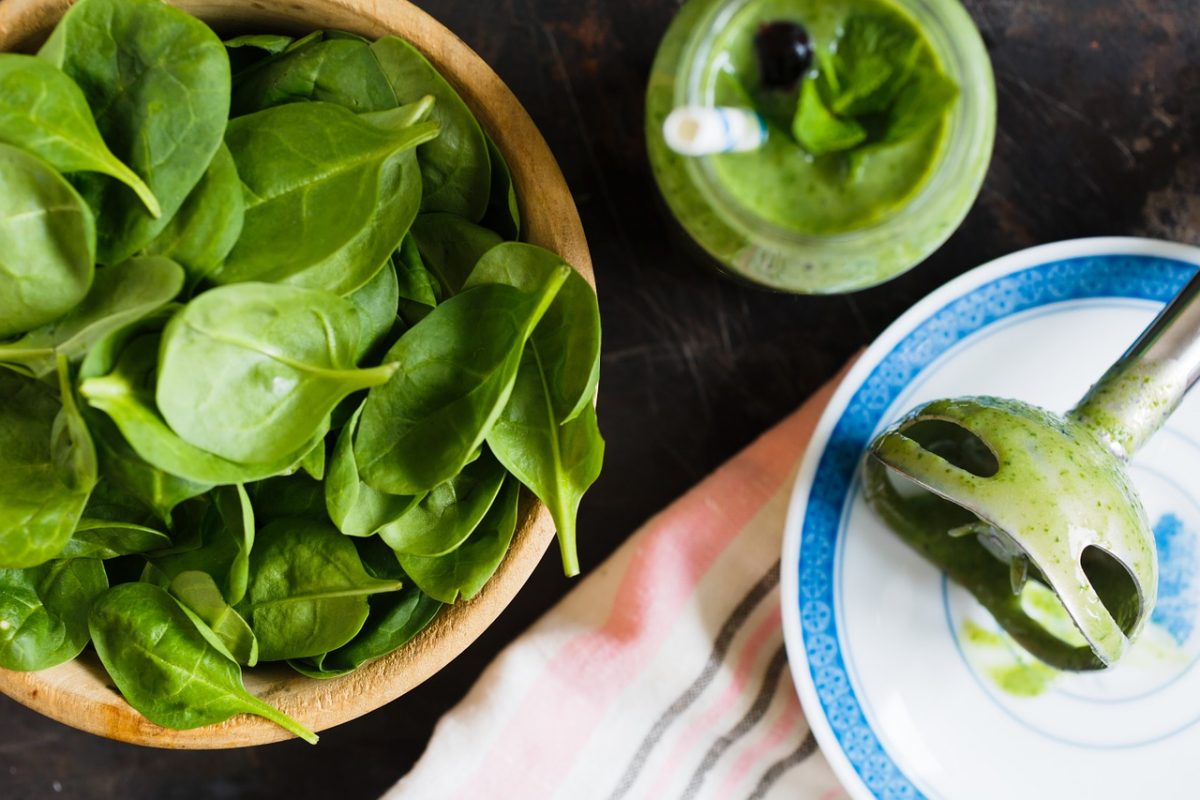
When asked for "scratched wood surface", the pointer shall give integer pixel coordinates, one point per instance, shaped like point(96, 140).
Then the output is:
point(1098, 134)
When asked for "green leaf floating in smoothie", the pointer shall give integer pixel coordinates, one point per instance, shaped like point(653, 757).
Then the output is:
point(818, 130)
point(872, 89)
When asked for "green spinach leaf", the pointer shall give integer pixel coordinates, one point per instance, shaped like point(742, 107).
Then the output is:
point(450, 246)
point(119, 296)
point(126, 395)
point(226, 534)
point(272, 43)
point(343, 164)
point(417, 288)
point(289, 496)
point(341, 71)
point(377, 304)
point(198, 593)
point(394, 619)
point(466, 569)
point(455, 371)
point(444, 518)
point(166, 668)
point(157, 81)
point(455, 167)
point(268, 362)
point(47, 243)
point(71, 445)
point(568, 336)
point(43, 112)
point(818, 130)
point(308, 590)
point(557, 461)
point(44, 612)
point(356, 508)
point(209, 222)
point(38, 512)
point(503, 213)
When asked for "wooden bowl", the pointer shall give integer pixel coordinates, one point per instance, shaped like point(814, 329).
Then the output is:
point(79, 693)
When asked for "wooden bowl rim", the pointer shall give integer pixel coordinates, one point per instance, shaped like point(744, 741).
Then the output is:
point(79, 693)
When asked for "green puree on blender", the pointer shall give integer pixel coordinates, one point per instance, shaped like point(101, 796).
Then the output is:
point(855, 104)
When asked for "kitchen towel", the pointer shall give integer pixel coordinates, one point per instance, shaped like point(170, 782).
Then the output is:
point(662, 674)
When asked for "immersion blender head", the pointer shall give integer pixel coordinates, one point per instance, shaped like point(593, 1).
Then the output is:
point(996, 492)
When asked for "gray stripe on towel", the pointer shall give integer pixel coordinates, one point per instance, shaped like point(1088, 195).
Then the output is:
point(737, 618)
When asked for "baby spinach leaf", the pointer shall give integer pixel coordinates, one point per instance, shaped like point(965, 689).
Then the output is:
point(464, 570)
point(43, 112)
point(47, 243)
point(44, 612)
point(126, 395)
point(198, 593)
point(226, 534)
point(450, 246)
point(342, 165)
point(269, 362)
point(356, 508)
point(351, 267)
point(165, 667)
point(920, 103)
point(817, 129)
point(208, 223)
point(289, 496)
point(71, 445)
point(38, 512)
point(376, 304)
point(455, 167)
point(157, 80)
point(568, 336)
point(444, 518)
point(547, 434)
point(557, 461)
point(313, 463)
point(104, 539)
point(158, 490)
point(119, 295)
point(455, 372)
point(342, 71)
point(308, 590)
point(394, 619)
point(874, 56)
point(503, 213)
point(272, 43)
point(114, 524)
point(417, 288)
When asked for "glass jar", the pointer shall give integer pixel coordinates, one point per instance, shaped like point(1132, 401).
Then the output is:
point(766, 253)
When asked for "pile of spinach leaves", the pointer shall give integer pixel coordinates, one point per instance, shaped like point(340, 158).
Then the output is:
point(275, 367)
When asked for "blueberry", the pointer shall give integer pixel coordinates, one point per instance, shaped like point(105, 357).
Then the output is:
point(784, 53)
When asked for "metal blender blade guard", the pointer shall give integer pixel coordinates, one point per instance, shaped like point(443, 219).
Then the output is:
point(995, 492)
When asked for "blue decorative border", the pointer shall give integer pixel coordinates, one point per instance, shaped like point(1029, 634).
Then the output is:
point(1140, 277)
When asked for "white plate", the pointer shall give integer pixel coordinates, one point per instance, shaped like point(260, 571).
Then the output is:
point(908, 685)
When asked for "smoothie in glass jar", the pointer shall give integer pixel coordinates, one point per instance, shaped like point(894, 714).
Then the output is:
point(876, 119)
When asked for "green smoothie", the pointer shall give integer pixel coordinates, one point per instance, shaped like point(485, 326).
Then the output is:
point(875, 147)
point(785, 182)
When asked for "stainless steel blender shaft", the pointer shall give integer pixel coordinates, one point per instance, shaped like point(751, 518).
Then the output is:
point(1136, 395)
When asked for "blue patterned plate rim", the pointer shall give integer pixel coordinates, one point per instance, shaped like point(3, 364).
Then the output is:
point(1037, 276)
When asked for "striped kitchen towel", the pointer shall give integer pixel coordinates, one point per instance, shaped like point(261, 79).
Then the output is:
point(662, 675)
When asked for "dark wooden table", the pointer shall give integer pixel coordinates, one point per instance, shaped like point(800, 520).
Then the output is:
point(1099, 120)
